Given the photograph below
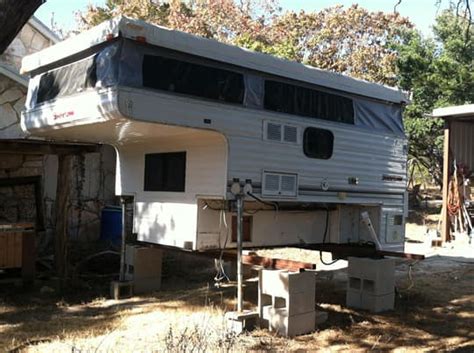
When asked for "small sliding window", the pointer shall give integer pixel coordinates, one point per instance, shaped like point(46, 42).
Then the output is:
point(165, 171)
point(193, 79)
point(303, 101)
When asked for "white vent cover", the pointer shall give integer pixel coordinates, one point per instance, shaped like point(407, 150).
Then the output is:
point(280, 184)
point(274, 131)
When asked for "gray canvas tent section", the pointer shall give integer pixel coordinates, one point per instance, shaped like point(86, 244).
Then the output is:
point(119, 62)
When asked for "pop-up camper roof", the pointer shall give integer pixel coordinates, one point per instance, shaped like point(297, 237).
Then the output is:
point(183, 42)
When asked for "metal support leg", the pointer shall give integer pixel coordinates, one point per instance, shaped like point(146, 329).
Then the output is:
point(123, 201)
point(240, 207)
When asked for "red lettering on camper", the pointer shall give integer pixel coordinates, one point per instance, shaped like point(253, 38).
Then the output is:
point(63, 115)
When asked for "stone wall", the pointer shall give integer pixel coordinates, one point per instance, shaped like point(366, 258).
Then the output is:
point(12, 101)
point(92, 187)
point(28, 41)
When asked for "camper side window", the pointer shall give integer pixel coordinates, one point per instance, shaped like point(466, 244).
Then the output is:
point(193, 79)
point(165, 171)
point(297, 100)
point(318, 143)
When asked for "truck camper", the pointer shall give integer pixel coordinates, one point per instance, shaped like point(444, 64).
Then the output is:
point(189, 117)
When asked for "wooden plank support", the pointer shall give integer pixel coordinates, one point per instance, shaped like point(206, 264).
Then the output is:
point(445, 223)
point(278, 264)
point(62, 203)
point(39, 148)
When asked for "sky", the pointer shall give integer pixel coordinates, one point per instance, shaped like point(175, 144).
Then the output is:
point(421, 12)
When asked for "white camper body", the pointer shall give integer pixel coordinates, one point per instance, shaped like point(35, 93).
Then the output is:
point(318, 148)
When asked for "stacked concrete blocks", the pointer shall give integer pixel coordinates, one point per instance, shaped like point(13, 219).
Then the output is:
point(143, 267)
point(371, 284)
point(286, 301)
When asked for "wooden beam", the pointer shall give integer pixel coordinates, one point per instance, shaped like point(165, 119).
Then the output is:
point(63, 189)
point(445, 223)
point(278, 264)
point(45, 147)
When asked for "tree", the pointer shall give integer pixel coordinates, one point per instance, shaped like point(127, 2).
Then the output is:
point(13, 16)
point(352, 41)
point(437, 72)
point(223, 20)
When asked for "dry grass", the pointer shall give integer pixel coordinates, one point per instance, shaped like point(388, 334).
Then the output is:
point(436, 314)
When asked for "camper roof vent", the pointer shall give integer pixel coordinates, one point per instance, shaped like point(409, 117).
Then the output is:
point(279, 184)
point(274, 131)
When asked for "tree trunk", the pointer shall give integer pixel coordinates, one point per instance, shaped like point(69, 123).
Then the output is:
point(13, 16)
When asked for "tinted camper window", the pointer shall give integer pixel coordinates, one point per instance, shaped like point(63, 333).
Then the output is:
point(296, 100)
point(165, 171)
point(67, 80)
point(318, 143)
point(196, 80)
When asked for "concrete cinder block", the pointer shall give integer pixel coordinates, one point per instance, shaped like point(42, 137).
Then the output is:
point(377, 303)
point(354, 299)
point(280, 283)
point(285, 325)
point(300, 303)
point(120, 290)
point(321, 317)
point(239, 322)
point(375, 276)
point(143, 268)
point(146, 285)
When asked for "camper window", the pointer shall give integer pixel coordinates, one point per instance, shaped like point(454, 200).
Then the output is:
point(318, 143)
point(165, 171)
point(297, 100)
point(189, 78)
point(67, 80)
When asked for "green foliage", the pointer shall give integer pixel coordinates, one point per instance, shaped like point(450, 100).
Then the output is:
point(437, 72)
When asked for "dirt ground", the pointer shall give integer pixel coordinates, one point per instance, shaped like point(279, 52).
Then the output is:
point(434, 311)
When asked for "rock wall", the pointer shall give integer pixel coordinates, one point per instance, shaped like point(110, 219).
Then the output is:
point(28, 41)
point(12, 101)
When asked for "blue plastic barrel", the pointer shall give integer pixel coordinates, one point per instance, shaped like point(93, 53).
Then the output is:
point(111, 224)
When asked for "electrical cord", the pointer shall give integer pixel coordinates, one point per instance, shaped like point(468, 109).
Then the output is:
point(273, 204)
point(324, 241)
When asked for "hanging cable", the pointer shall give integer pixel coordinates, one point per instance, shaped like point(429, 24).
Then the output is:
point(273, 204)
point(324, 241)
point(220, 272)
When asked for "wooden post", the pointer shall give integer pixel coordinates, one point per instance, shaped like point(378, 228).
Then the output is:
point(445, 223)
point(62, 202)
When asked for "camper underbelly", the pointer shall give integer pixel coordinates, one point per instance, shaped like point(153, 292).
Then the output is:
point(208, 224)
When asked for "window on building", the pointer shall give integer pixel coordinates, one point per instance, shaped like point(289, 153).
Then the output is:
point(318, 143)
point(296, 100)
point(165, 171)
point(194, 79)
